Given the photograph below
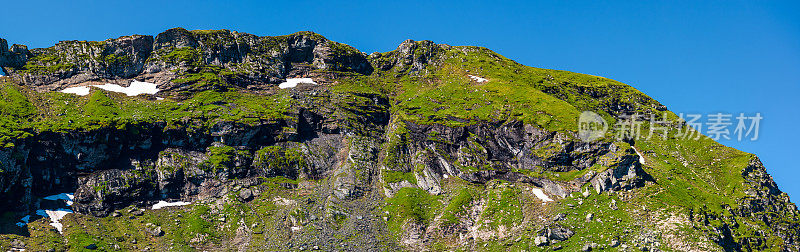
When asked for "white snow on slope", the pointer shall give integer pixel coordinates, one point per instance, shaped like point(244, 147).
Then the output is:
point(136, 88)
point(292, 82)
point(540, 194)
point(76, 90)
point(163, 204)
point(478, 79)
point(641, 158)
point(68, 197)
point(55, 216)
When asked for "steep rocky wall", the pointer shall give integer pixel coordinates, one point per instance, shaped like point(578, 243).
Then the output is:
point(54, 162)
point(511, 151)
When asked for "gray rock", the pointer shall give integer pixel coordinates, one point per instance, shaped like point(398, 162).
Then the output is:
point(540, 240)
point(246, 194)
point(138, 212)
point(627, 174)
point(559, 233)
point(153, 230)
point(17, 244)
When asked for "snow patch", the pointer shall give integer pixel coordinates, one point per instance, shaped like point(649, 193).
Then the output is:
point(540, 194)
point(641, 158)
point(478, 79)
point(68, 197)
point(134, 89)
point(76, 90)
point(292, 82)
point(163, 204)
point(55, 217)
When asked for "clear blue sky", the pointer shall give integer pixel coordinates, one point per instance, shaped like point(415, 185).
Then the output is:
point(716, 56)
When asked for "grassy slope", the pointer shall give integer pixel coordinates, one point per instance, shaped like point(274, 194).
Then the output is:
point(691, 174)
point(29, 111)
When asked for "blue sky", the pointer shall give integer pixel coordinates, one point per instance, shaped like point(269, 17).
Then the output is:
point(709, 57)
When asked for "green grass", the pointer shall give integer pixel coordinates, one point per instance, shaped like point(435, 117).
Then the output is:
point(503, 207)
point(411, 204)
point(390, 176)
point(27, 112)
point(219, 158)
point(279, 161)
point(16, 114)
point(197, 221)
point(459, 205)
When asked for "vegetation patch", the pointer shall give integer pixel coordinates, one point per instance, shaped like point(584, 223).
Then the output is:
point(411, 205)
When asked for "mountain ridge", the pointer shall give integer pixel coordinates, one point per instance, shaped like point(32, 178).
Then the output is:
point(429, 147)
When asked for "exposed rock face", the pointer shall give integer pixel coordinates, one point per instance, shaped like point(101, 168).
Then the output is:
point(131, 52)
point(13, 58)
point(764, 197)
point(412, 56)
point(176, 54)
point(72, 62)
point(514, 152)
point(175, 38)
point(112, 168)
point(16, 179)
point(626, 174)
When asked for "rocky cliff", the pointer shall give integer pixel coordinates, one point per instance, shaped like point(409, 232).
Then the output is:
point(427, 147)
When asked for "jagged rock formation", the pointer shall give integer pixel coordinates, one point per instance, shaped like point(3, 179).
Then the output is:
point(399, 150)
point(234, 58)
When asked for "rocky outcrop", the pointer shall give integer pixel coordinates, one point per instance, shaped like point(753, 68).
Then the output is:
point(74, 62)
point(553, 234)
point(175, 57)
point(14, 57)
point(412, 56)
point(625, 173)
point(510, 151)
point(764, 205)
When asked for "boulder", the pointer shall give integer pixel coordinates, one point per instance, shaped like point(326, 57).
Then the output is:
point(245, 195)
